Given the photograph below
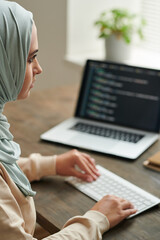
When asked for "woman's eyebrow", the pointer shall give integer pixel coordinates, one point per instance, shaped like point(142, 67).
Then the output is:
point(32, 53)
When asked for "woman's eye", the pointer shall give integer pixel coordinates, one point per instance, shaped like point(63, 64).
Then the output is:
point(32, 59)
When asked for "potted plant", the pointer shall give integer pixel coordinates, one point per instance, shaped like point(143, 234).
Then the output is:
point(117, 27)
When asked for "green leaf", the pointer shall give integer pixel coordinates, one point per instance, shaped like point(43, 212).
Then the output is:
point(121, 22)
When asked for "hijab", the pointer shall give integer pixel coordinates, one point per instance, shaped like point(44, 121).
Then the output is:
point(15, 37)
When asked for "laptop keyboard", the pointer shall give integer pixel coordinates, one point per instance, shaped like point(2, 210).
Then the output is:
point(110, 183)
point(107, 132)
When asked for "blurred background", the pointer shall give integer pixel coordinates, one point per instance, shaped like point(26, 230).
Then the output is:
point(67, 36)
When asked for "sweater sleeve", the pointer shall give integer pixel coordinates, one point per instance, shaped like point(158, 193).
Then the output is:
point(89, 226)
point(37, 166)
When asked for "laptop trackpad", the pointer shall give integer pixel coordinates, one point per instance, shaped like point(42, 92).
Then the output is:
point(92, 142)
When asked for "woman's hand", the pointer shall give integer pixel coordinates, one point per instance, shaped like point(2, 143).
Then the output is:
point(114, 208)
point(65, 165)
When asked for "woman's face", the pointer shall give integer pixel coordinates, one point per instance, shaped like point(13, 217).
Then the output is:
point(32, 68)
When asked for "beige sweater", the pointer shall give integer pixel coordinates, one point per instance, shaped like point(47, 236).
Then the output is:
point(18, 215)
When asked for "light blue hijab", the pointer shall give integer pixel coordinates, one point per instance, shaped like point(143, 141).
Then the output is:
point(15, 37)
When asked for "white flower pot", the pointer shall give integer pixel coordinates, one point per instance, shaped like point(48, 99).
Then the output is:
point(117, 49)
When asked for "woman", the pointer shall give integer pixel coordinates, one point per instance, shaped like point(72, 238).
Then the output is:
point(18, 69)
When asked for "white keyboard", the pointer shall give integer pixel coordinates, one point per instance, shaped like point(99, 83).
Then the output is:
point(110, 183)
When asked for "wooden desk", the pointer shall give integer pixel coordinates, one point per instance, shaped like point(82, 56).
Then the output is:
point(57, 201)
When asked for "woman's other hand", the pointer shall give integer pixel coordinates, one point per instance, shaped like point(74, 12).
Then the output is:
point(114, 208)
point(78, 164)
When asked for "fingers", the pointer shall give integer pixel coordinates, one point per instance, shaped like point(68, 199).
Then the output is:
point(91, 163)
point(87, 164)
point(83, 176)
point(87, 168)
point(127, 207)
point(89, 158)
point(126, 204)
point(91, 167)
point(129, 212)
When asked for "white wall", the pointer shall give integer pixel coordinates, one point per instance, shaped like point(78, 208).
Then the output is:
point(50, 18)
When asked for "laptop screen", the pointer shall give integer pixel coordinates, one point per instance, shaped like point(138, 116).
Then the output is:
point(120, 94)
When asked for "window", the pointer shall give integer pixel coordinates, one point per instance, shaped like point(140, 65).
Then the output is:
point(82, 35)
point(150, 11)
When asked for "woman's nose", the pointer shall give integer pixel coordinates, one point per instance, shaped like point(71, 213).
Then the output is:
point(37, 68)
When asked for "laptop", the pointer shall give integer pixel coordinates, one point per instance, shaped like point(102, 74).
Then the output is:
point(117, 113)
